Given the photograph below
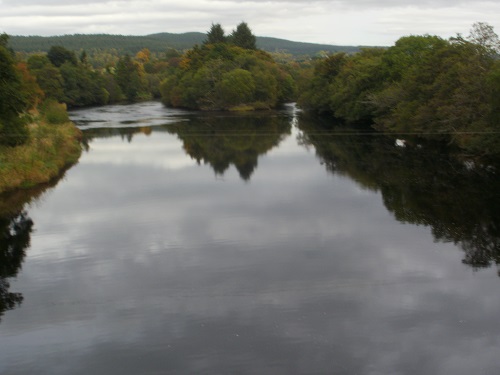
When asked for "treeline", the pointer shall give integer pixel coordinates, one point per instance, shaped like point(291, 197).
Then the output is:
point(228, 72)
point(157, 43)
point(447, 89)
point(223, 73)
point(73, 80)
point(130, 44)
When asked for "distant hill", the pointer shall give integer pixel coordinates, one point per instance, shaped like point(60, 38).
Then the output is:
point(157, 43)
point(300, 48)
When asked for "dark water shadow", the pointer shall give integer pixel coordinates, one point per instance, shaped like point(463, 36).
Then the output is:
point(421, 182)
point(216, 139)
point(15, 236)
point(222, 141)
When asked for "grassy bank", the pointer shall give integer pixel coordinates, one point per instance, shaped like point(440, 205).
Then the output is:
point(51, 148)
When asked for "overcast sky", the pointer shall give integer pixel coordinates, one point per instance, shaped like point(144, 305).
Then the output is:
point(344, 22)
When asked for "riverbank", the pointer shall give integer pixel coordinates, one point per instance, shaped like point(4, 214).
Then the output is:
point(50, 149)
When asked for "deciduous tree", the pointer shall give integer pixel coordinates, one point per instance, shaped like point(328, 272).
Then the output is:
point(13, 130)
point(59, 55)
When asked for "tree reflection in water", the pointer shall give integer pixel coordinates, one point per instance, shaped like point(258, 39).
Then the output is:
point(220, 142)
point(15, 235)
point(424, 183)
point(15, 230)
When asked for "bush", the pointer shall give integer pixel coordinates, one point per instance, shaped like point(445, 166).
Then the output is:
point(13, 130)
point(54, 112)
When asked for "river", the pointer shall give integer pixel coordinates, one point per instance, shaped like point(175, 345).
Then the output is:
point(260, 243)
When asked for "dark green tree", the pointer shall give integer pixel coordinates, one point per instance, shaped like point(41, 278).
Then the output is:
point(316, 96)
point(10, 82)
point(128, 77)
point(4, 40)
point(235, 87)
point(82, 87)
point(243, 37)
point(37, 62)
point(358, 79)
point(59, 55)
point(48, 77)
point(111, 87)
point(13, 130)
point(215, 35)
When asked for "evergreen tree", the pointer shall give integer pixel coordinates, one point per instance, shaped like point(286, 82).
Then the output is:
point(129, 78)
point(243, 37)
point(215, 35)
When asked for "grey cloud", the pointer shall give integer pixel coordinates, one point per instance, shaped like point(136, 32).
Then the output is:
point(363, 22)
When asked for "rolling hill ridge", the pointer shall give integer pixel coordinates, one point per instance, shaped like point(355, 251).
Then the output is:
point(159, 42)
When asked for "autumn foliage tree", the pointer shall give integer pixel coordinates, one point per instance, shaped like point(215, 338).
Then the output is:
point(225, 76)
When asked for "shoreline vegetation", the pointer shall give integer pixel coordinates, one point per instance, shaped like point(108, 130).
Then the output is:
point(423, 86)
point(37, 139)
point(49, 151)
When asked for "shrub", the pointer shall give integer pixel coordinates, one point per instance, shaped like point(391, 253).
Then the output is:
point(54, 112)
point(13, 130)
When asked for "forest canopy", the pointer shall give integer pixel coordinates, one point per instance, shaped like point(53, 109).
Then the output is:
point(224, 72)
point(227, 72)
point(448, 89)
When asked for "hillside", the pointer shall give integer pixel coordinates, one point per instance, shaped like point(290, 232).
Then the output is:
point(157, 43)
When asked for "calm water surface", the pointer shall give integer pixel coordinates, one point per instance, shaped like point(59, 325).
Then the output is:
point(186, 243)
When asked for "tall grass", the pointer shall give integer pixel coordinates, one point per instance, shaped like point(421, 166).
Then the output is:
point(49, 150)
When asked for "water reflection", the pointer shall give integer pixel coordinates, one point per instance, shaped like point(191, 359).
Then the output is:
point(224, 140)
point(15, 236)
point(15, 233)
point(126, 134)
point(422, 184)
point(143, 263)
point(219, 140)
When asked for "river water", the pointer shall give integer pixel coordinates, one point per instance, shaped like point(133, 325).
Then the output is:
point(263, 243)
